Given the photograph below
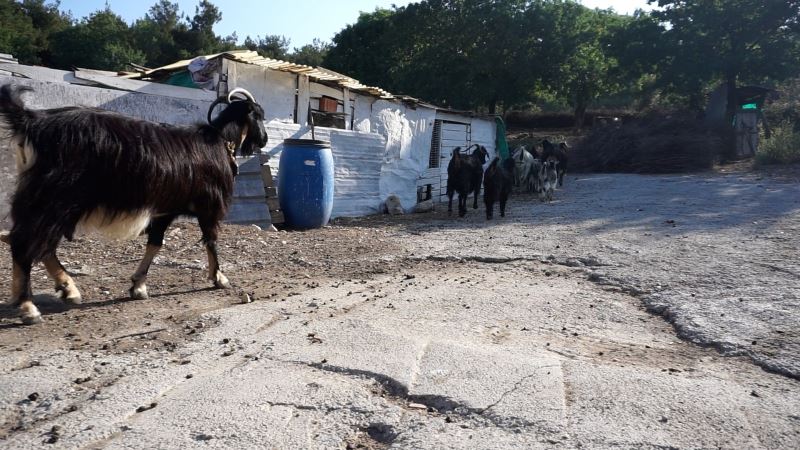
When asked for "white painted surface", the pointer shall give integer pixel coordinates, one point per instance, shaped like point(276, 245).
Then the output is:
point(155, 108)
point(149, 107)
point(408, 143)
point(274, 90)
point(363, 113)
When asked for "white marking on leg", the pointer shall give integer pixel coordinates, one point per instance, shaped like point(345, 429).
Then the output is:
point(29, 313)
point(221, 281)
point(139, 291)
point(70, 293)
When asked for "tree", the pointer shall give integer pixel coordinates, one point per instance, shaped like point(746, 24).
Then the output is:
point(100, 41)
point(26, 27)
point(587, 66)
point(271, 46)
point(365, 50)
point(154, 33)
point(730, 40)
point(311, 54)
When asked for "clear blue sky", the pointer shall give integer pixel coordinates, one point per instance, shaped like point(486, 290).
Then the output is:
point(299, 20)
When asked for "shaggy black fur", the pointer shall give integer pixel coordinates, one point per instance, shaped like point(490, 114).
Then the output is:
point(465, 175)
point(558, 154)
point(497, 184)
point(87, 159)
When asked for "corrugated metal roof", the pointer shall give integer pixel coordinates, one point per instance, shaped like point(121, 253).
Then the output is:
point(251, 57)
point(315, 73)
point(8, 58)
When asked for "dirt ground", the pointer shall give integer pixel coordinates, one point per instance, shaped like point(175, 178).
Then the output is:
point(631, 312)
point(268, 266)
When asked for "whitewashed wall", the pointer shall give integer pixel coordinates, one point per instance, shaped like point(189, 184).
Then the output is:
point(274, 90)
point(408, 143)
point(144, 106)
point(363, 113)
point(484, 132)
point(149, 107)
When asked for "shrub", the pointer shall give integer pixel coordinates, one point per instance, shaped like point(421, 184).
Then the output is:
point(783, 147)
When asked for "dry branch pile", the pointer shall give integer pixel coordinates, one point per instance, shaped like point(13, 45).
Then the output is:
point(651, 144)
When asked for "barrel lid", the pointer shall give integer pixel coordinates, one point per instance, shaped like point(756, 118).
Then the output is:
point(309, 142)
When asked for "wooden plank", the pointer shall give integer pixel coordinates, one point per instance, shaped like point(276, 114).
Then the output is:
point(271, 191)
point(248, 186)
point(145, 87)
point(273, 203)
point(454, 126)
point(266, 175)
point(277, 217)
point(454, 135)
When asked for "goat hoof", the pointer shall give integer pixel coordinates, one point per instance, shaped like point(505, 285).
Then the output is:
point(69, 296)
point(29, 314)
point(220, 285)
point(4, 236)
point(73, 300)
point(31, 320)
point(221, 282)
point(139, 293)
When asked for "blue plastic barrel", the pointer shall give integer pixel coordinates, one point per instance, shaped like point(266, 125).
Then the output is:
point(305, 183)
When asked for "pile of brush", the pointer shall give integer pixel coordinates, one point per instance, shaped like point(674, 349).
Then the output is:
point(656, 143)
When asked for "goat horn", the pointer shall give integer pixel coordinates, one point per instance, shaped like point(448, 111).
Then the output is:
point(214, 105)
point(242, 91)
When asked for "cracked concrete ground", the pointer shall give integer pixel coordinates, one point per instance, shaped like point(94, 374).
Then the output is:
point(542, 330)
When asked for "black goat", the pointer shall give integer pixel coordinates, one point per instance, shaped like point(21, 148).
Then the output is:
point(497, 184)
point(85, 168)
point(556, 153)
point(465, 175)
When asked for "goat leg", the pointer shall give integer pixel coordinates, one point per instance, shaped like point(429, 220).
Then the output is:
point(155, 240)
point(209, 230)
point(21, 295)
point(450, 204)
point(139, 289)
point(64, 283)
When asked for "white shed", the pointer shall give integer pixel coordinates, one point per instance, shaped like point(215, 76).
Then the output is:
point(382, 144)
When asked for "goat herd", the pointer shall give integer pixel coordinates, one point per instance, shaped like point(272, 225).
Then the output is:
point(530, 170)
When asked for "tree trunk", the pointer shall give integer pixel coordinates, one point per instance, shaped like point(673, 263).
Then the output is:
point(730, 111)
point(493, 106)
point(730, 84)
point(580, 115)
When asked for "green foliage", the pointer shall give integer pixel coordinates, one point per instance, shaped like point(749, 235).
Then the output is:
point(26, 28)
point(488, 55)
point(311, 54)
point(365, 49)
point(271, 46)
point(100, 41)
point(731, 40)
point(783, 147)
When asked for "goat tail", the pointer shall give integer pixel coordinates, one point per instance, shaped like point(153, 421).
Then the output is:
point(12, 109)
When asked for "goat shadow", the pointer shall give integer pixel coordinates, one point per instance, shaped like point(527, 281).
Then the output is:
point(50, 304)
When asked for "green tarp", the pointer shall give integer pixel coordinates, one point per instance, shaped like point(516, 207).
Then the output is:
point(500, 141)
